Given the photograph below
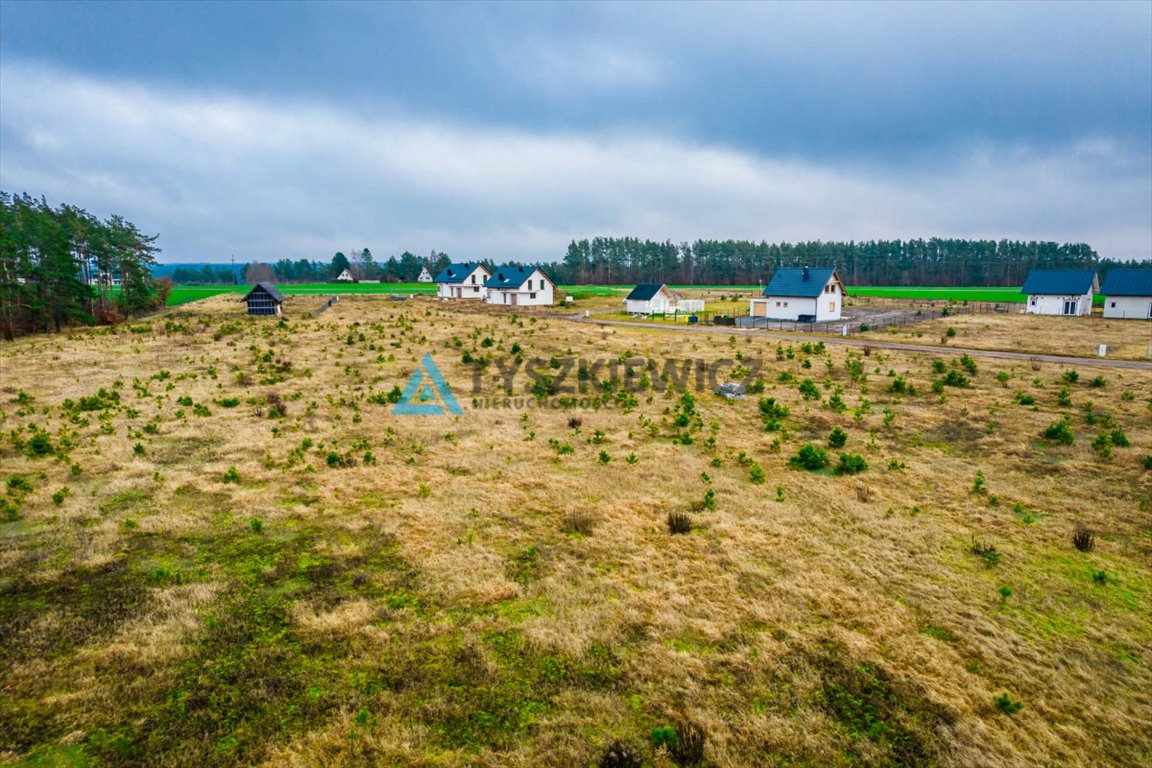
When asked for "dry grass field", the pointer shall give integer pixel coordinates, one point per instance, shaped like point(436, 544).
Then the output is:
point(1080, 336)
point(221, 547)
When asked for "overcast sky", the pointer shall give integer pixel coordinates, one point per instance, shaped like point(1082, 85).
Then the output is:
point(504, 131)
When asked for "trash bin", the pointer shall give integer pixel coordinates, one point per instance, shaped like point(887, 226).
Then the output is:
point(692, 318)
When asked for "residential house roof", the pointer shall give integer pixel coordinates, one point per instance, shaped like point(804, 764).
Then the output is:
point(644, 291)
point(1127, 282)
point(269, 288)
point(512, 277)
point(456, 273)
point(1060, 282)
point(802, 282)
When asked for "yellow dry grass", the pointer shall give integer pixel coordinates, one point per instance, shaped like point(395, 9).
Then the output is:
point(813, 619)
point(1033, 334)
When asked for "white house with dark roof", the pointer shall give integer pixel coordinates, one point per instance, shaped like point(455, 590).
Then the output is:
point(1066, 292)
point(807, 294)
point(425, 276)
point(1128, 294)
point(519, 287)
point(462, 281)
point(650, 299)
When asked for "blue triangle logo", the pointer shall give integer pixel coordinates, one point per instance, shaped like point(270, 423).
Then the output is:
point(427, 394)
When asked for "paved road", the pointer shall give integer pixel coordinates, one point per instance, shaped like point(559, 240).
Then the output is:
point(849, 341)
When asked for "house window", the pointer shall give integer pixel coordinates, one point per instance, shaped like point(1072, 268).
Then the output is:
point(831, 306)
point(1113, 305)
point(473, 279)
point(532, 295)
point(777, 303)
point(1069, 307)
point(785, 303)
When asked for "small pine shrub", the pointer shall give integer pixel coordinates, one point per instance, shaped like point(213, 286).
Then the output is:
point(979, 485)
point(756, 474)
point(1060, 433)
point(1098, 382)
point(810, 458)
point(664, 736)
point(232, 475)
point(837, 438)
point(1005, 592)
point(851, 464)
point(1100, 577)
point(772, 414)
point(1005, 704)
point(1083, 538)
point(256, 524)
point(679, 522)
point(1070, 377)
point(604, 457)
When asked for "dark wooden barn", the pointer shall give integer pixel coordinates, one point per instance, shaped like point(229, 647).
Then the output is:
point(264, 299)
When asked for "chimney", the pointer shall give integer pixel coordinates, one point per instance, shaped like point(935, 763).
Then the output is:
point(805, 271)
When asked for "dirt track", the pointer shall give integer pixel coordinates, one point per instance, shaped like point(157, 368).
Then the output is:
point(851, 342)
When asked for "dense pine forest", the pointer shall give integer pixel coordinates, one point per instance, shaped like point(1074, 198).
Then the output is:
point(60, 266)
point(936, 261)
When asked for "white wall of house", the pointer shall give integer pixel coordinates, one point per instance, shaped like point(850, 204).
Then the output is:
point(789, 307)
point(536, 291)
point(471, 288)
point(1128, 307)
point(827, 306)
point(1044, 304)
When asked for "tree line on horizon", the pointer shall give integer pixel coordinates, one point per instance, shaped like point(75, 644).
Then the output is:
point(946, 262)
point(61, 266)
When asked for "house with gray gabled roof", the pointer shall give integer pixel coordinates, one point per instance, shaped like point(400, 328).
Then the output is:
point(264, 299)
point(462, 281)
point(649, 299)
point(807, 294)
point(1066, 292)
point(520, 286)
point(1128, 294)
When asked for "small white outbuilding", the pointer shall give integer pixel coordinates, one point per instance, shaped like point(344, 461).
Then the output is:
point(650, 299)
point(1066, 292)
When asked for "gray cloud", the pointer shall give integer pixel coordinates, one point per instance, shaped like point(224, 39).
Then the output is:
point(217, 174)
